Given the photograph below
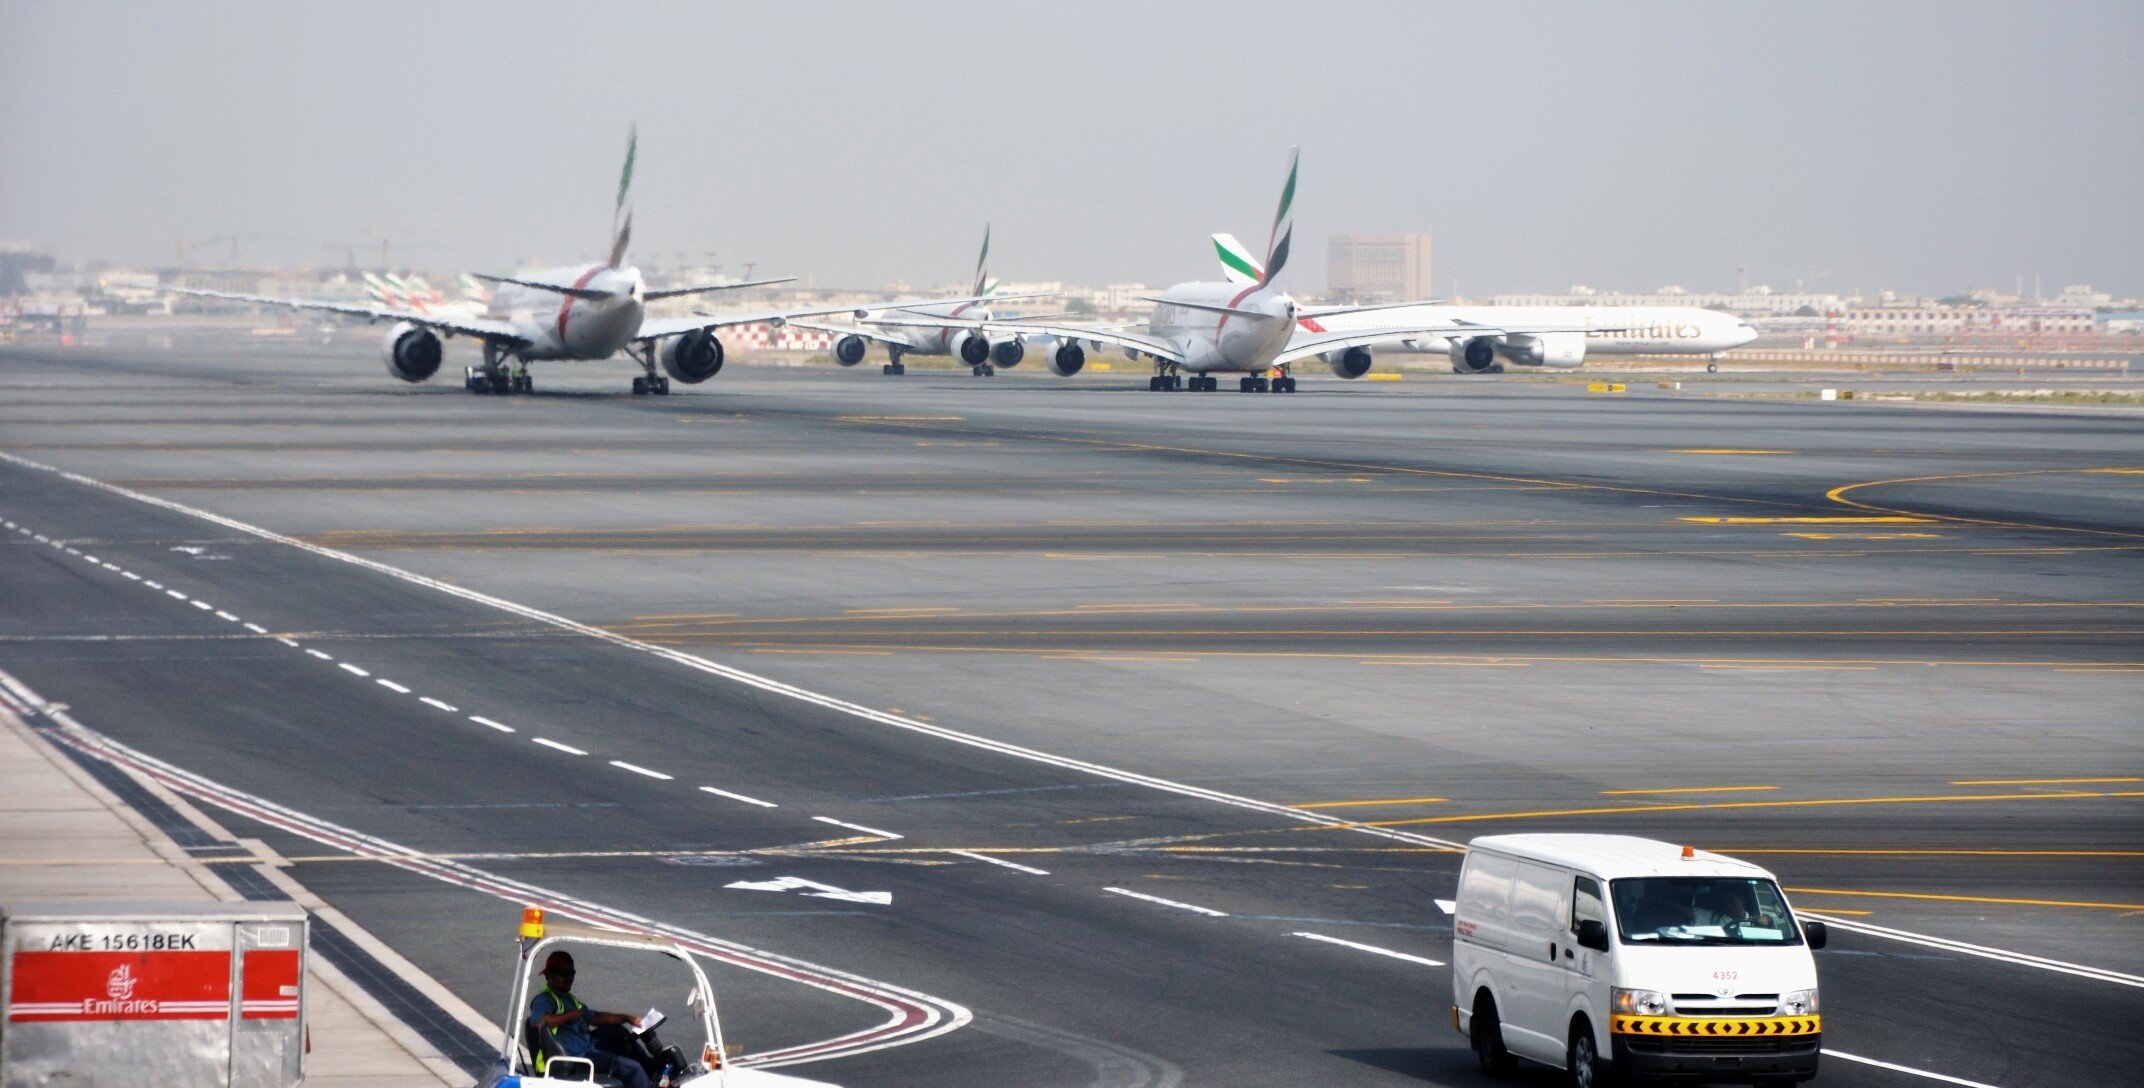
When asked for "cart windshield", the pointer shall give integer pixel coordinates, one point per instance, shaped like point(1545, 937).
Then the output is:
point(1701, 910)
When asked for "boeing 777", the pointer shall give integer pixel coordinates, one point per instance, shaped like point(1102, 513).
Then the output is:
point(1597, 330)
point(981, 350)
point(585, 312)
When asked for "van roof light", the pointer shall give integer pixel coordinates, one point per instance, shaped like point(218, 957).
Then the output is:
point(1688, 852)
point(532, 922)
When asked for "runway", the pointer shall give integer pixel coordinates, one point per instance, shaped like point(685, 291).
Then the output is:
point(1156, 717)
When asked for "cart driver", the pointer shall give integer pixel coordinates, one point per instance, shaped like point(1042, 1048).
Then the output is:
point(574, 1025)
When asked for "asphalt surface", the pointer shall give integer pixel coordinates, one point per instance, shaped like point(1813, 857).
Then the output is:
point(1127, 641)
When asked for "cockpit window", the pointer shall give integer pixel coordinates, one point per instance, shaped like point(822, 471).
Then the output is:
point(1701, 910)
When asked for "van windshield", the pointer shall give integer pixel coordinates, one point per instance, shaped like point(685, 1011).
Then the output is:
point(1701, 910)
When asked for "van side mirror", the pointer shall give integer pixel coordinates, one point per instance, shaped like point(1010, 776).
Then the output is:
point(1817, 933)
point(1592, 934)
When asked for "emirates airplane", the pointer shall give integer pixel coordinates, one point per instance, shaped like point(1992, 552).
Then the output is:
point(982, 350)
point(586, 312)
point(1475, 347)
point(1248, 329)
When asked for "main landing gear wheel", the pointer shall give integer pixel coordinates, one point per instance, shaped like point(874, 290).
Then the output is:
point(1168, 383)
point(651, 387)
point(1204, 383)
point(1284, 385)
point(1712, 368)
point(986, 371)
point(1252, 383)
point(893, 369)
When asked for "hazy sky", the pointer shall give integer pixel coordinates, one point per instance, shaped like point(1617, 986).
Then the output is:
point(1922, 146)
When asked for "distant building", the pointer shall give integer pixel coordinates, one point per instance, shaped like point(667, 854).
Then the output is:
point(1378, 266)
point(1935, 320)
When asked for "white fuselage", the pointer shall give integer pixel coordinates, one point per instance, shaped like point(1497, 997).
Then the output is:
point(1224, 341)
point(938, 341)
point(563, 327)
point(1612, 330)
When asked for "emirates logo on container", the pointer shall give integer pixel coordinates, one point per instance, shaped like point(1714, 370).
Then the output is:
point(119, 985)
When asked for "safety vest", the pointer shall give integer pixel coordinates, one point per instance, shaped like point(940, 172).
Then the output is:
point(563, 1003)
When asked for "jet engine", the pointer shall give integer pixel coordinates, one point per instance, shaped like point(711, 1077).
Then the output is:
point(1352, 363)
point(849, 350)
point(694, 357)
point(1561, 350)
point(412, 352)
point(973, 349)
point(1476, 356)
point(1008, 354)
point(1067, 360)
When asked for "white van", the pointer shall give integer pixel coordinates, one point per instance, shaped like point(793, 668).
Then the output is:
point(1578, 951)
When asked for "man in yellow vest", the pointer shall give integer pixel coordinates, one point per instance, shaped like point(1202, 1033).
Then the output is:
point(556, 1011)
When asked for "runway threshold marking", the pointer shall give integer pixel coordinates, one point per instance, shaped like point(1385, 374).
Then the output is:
point(1689, 789)
point(1370, 948)
point(1995, 899)
point(1194, 908)
point(2041, 781)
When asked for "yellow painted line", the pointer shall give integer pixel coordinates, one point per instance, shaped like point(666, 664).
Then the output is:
point(2004, 900)
point(1702, 806)
point(1811, 519)
point(2041, 781)
point(1386, 801)
point(1842, 910)
point(1384, 376)
point(1736, 453)
point(2115, 471)
point(1690, 789)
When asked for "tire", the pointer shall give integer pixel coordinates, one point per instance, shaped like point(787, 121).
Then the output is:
point(1712, 368)
point(1582, 1064)
point(640, 387)
point(1487, 1035)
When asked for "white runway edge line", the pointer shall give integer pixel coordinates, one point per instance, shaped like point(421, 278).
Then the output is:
point(1370, 948)
point(437, 705)
point(1907, 1069)
point(1207, 911)
point(913, 1016)
point(1001, 861)
point(2002, 955)
point(858, 827)
point(738, 797)
point(736, 675)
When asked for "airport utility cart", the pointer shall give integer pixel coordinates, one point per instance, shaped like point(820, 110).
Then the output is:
point(151, 995)
point(528, 1059)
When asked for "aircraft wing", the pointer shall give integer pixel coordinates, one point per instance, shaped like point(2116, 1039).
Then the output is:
point(656, 328)
point(466, 325)
point(899, 340)
point(1137, 341)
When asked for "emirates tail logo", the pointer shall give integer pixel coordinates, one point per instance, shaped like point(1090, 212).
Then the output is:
point(119, 985)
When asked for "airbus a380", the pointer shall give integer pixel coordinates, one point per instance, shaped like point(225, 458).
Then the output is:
point(1475, 349)
point(586, 312)
point(1249, 329)
point(982, 350)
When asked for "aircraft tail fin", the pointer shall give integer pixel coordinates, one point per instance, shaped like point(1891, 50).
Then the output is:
point(1283, 222)
point(983, 283)
point(1236, 261)
point(621, 217)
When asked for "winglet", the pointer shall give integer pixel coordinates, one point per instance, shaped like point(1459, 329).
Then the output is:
point(1283, 226)
point(621, 218)
point(1236, 261)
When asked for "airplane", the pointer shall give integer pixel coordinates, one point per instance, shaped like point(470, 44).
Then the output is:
point(1604, 330)
point(982, 351)
point(586, 312)
point(1231, 327)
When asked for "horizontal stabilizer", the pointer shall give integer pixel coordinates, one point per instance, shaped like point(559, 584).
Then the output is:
point(1206, 306)
point(556, 289)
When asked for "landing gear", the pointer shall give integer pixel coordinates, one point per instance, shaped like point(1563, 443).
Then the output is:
point(985, 370)
point(893, 368)
point(501, 373)
point(651, 383)
point(1166, 379)
point(1252, 383)
point(1204, 383)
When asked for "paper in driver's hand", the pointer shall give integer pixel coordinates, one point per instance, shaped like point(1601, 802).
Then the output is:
point(649, 1020)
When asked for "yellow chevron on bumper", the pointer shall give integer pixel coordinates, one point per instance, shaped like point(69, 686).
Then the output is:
point(1716, 1026)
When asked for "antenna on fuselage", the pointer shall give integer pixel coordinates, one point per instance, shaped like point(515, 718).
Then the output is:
point(621, 217)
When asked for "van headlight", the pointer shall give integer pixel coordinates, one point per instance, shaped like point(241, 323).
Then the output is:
point(1639, 1002)
point(1798, 1003)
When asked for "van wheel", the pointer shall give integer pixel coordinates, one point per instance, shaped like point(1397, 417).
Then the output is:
point(1488, 1040)
point(1582, 1063)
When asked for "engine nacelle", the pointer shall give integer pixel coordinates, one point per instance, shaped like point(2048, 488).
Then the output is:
point(1352, 363)
point(1067, 360)
point(972, 349)
point(1560, 350)
point(1008, 354)
point(694, 357)
point(1475, 356)
point(849, 350)
point(412, 352)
